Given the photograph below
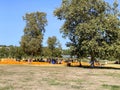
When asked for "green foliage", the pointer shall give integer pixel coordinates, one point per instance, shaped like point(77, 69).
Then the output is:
point(52, 42)
point(66, 52)
point(16, 52)
point(54, 47)
point(57, 52)
point(46, 52)
point(31, 41)
point(92, 27)
point(11, 52)
point(4, 52)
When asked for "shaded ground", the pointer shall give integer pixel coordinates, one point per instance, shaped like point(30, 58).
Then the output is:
point(25, 77)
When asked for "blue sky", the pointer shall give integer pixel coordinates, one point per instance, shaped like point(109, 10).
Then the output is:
point(12, 24)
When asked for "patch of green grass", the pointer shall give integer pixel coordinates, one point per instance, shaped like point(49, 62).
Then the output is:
point(77, 81)
point(93, 74)
point(3, 72)
point(76, 87)
point(9, 87)
point(53, 82)
point(113, 74)
point(45, 79)
point(111, 87)
point(27, 79)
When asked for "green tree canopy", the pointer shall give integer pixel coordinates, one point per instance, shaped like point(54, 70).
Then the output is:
point(11, 52)
point(4, 52)
point(54, 46)
point(31, 41)
point(92, 26)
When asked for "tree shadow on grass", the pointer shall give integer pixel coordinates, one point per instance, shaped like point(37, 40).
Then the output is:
point(101, 67)
point(97, 67)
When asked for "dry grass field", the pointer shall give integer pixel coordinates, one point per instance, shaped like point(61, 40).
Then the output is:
point(28, 77)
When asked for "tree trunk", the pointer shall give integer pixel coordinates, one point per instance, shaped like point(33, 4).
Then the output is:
point(92, 60)
point(80, 63)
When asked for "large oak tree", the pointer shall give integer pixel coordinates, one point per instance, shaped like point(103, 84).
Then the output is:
point(92, 26)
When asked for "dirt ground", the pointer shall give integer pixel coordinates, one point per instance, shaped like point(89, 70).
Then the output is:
point(26, 77)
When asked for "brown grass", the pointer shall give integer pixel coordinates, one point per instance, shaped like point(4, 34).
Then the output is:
point(29, 77)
